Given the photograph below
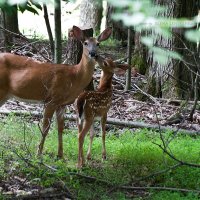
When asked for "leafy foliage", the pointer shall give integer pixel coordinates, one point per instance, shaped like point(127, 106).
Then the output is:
point(146, 16)
point(30, 6)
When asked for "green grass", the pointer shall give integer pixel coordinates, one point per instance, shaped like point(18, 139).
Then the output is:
point(131, 155)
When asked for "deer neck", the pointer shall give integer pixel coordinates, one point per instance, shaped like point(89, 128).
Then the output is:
point(105, 81)
point(85, 69)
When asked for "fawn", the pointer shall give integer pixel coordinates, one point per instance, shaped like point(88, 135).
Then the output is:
point(95, 104)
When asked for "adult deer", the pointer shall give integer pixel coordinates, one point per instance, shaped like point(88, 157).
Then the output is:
point(55, 85)
point(95, 104)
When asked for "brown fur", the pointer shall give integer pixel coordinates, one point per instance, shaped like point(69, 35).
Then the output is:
point(92, 104)
point(56, 85)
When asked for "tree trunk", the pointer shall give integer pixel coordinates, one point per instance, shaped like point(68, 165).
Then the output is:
point(129, 52)
point(11, 24)
point(173, 79)
point(46, 17)
point(119, 30)
point(91, 12)
point(185, 76)
point(58, 34)
point(2, 34)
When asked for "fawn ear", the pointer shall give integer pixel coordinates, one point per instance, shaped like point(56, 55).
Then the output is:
point(105, 34)
point(123, 66)
point(78, 33)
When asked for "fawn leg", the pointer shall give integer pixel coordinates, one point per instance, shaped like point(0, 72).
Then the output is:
point(103, 129)
point(91, 140)
point(81, 137)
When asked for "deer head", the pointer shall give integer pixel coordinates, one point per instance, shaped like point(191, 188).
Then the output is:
point(91, 44)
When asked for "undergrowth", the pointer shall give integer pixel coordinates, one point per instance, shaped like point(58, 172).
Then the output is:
point(131, 155)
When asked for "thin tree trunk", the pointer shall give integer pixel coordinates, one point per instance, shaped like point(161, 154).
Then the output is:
point(2, 34)
point(129, 51)
point(46, 17)
point(58, 34)
point(11, 24)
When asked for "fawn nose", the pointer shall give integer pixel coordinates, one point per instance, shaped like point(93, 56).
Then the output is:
point(92, 53)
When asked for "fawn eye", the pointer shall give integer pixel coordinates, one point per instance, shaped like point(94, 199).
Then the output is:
point(85, 43)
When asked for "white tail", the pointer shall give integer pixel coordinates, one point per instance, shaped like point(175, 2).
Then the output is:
point(56, 85)
point(95, 104)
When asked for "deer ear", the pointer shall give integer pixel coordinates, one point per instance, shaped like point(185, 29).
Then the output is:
point(105, 34)
point(78, 33)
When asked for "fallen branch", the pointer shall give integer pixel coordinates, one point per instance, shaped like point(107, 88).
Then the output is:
point(136, 124)
point(26, 39)
point(113, 121)
point(158, 188)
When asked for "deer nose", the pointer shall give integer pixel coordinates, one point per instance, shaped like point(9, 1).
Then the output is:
point(92, 53)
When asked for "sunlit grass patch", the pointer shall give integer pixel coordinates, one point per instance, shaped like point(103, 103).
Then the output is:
point(131, 156)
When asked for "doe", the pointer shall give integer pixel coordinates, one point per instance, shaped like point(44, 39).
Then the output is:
point(55, 85)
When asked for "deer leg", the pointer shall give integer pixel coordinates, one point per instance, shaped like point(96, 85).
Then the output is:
point(81, 137)
point(103, 130)
point(48, 113)
point(90, 144)
point(60, 121)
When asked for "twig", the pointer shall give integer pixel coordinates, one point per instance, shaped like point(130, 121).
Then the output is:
point(25, 38)
point(158, 188)
point(148, 95)
point(176, 159)
point(195, 98)
point(157, 173)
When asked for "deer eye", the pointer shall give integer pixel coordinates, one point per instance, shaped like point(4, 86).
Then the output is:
point(98, 44)
point(85, 43)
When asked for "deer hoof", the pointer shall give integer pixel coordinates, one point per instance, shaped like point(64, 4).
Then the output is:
point(104, 157)
point(89, 157)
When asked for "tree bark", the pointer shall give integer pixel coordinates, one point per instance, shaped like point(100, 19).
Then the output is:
point(2, 34)
point(58, 34)
point(11, 24)
point(46, 17)
point(173, 79)
point(129, 52)
point(91, 12)
point(119, 30)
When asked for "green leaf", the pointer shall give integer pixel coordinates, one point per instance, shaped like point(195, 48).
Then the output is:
point(37, 5)
point(122, 3)
point(162, 55)
point(31, 9)
point(148, 41)
point(193, 35)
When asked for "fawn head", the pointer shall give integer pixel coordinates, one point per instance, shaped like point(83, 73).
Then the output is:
point(109, 66)
point(91, 43)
